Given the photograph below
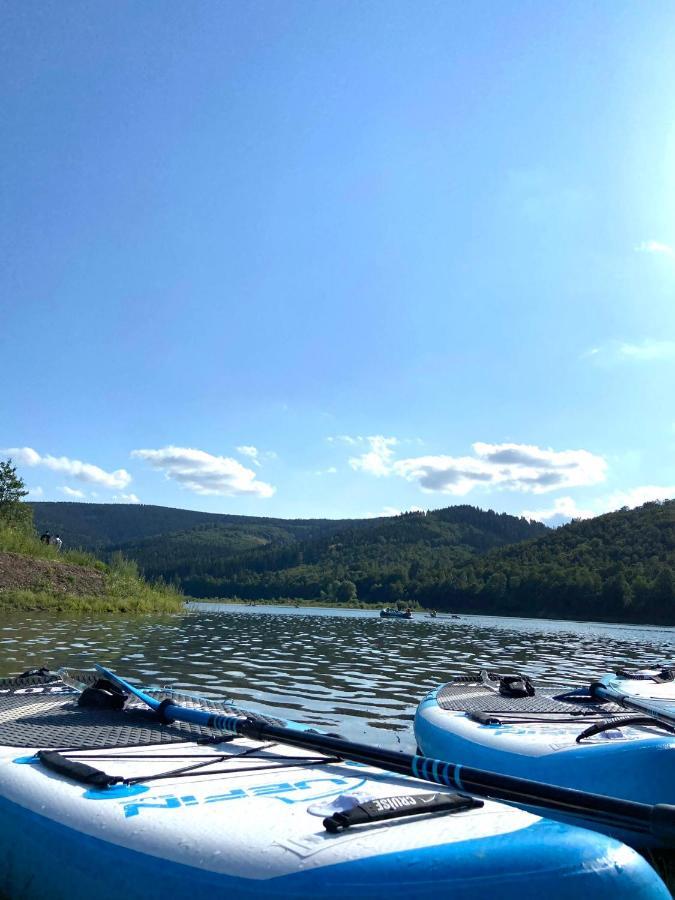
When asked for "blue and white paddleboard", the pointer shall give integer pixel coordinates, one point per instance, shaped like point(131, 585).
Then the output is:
point(558, 735)
point(249, 822)
point(655, 687)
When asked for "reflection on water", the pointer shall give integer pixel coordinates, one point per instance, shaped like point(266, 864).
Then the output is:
point(340, 670)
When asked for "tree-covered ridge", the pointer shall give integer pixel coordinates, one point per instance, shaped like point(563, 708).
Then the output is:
point(616, 567)
point(619, 566)
point(258, 558)
point(103, 526)
point(204, 548)
point(382, 558)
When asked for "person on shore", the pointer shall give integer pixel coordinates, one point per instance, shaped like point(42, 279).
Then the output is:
point(46, 538)
point(57, 542)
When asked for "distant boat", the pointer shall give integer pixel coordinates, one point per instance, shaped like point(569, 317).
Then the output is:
point(396, 614)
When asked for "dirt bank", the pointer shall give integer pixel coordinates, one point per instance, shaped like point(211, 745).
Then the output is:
point(25, 573)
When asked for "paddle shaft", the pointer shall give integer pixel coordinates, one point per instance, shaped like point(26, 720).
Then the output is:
point(603, 690)
point(626, 815)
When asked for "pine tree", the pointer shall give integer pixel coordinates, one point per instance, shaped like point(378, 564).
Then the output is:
point(12, 491)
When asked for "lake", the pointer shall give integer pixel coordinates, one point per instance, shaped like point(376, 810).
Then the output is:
point(345, 670)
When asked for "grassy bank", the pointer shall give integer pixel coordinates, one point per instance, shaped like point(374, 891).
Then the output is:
point(54, 602)
point(35, 576)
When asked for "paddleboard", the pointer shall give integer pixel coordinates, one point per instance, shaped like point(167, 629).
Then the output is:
point(202, 814)
point(655, 686)
point(557, 734)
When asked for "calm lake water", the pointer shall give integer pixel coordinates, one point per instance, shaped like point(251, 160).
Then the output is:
point(338, 669)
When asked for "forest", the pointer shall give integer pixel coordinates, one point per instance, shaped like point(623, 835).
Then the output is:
point(615, 567)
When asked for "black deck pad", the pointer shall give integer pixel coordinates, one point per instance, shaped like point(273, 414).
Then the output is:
point(476, 694)
point(41, 711)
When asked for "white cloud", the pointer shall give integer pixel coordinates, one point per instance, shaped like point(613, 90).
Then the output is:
point(377, 461)
point(331, 470)
point(125, 498)
point(72, 492)
point(515, 467)
point(389, 511)
point(647, 350)
point(248, 450)
point(655, 247)
point(563, 509)
point(251, 452)
point(256, 456)
point(204, 473)
point(35, 492)
point(637, 496)
point(86, 472)
point(346, 439)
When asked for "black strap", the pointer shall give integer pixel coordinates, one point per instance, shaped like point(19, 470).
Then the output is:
point(516, 686)
point(483, 718)
point(76, 771)
point(609, 724)
point(664, 675)
point(103, 694)
point(38, 673)
point(396, 807)
point(581, 695)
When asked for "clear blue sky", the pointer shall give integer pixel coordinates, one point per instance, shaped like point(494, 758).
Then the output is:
point(334, 259)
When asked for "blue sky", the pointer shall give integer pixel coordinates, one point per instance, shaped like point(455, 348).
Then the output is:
point(339, 259)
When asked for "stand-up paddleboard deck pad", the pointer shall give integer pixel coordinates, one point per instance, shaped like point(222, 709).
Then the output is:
point(44, 712)
point(202, 814)
point(480, 694)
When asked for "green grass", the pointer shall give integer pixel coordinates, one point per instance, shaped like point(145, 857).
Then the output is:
point(55, 602)
point(27, 543)
point(124, 589)
point(131, 593)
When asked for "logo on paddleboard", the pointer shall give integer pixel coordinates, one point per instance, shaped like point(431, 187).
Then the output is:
point(305, 791)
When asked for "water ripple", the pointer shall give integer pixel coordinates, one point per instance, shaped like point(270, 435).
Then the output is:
point(338, 670)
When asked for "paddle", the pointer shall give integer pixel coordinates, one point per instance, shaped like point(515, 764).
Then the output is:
point(607, 689)
point(615, 815)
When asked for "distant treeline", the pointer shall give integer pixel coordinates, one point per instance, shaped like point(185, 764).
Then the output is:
point(616, 567)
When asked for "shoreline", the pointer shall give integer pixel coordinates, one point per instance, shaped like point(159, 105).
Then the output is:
point(304, 604)
point(425, 612)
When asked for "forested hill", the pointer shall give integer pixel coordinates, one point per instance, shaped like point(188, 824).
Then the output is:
point(380, 556)
point(101, 526)
point(211, 555)
point(616, 567)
